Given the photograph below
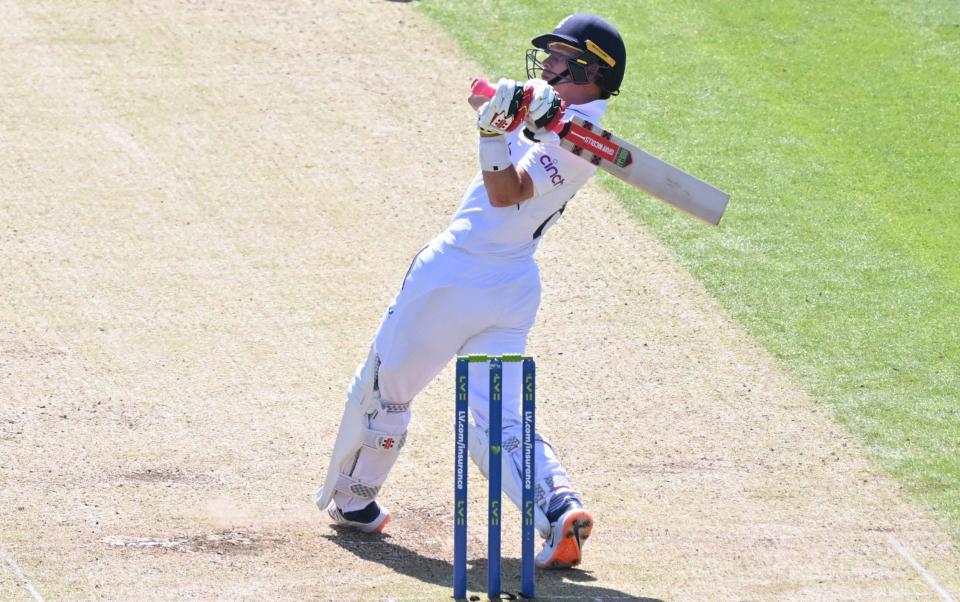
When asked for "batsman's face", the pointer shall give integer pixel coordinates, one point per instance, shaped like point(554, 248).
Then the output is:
point(556, 61)
point(556, 64)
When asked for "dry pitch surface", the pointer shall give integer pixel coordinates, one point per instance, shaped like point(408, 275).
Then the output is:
point(205, 209)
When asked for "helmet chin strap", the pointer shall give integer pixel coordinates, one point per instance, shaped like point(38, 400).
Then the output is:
point(559, 78)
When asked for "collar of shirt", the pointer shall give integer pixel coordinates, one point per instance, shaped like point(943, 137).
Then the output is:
point(591, 111)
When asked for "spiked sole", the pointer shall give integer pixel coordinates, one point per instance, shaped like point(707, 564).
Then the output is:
point(576, 529)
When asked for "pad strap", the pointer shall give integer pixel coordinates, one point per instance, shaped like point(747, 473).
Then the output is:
point(352, 486)
point(550, 485)
point(385, 442)
point(379, 441)
point(394, 407)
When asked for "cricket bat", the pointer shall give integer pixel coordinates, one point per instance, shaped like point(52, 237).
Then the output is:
point(633, 165)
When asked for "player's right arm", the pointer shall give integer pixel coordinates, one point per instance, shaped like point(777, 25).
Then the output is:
point(508, 186)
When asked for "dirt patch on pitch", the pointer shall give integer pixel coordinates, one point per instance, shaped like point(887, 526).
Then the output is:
point(167, 475)
point(151, 475)
point(223, 542)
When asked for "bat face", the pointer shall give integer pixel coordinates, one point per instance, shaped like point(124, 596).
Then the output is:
point(641, 169)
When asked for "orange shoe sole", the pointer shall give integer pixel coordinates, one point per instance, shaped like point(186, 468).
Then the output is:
point(576, 530)
point(337, 521)
point(382, 525)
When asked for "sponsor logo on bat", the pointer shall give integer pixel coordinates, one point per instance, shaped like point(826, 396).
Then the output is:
point(596, 145)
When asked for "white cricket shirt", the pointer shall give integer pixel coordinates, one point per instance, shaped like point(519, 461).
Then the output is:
point(514, 232)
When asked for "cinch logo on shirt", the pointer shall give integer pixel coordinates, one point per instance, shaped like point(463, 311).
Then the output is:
point(550, 166)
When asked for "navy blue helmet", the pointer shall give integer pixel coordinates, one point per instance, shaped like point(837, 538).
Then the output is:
point(599, 44)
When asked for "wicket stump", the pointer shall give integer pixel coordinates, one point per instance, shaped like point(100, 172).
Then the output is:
point(528, 411)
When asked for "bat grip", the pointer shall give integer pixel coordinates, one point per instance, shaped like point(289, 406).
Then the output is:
point(481, 87)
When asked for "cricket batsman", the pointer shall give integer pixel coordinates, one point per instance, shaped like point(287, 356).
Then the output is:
point(475, 289)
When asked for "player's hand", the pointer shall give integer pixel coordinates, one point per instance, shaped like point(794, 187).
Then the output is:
point(544, 103)
point(504, 112)
point(543, 107)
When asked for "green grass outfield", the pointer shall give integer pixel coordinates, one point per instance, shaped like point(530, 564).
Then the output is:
point(835, 127)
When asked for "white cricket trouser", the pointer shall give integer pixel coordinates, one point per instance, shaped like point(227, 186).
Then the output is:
point(451, 303)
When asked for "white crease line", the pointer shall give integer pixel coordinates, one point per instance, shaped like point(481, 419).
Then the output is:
point(906, 554)
point(16, 571)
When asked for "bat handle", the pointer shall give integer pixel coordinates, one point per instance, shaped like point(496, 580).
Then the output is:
point(481, 87)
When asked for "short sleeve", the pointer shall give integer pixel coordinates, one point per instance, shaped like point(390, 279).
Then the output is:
point(554, 169)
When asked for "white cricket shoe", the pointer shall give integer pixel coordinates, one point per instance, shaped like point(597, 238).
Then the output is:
point(379, 518)
point(568, 533)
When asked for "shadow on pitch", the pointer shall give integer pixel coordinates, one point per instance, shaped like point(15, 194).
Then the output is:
point(570, 584)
